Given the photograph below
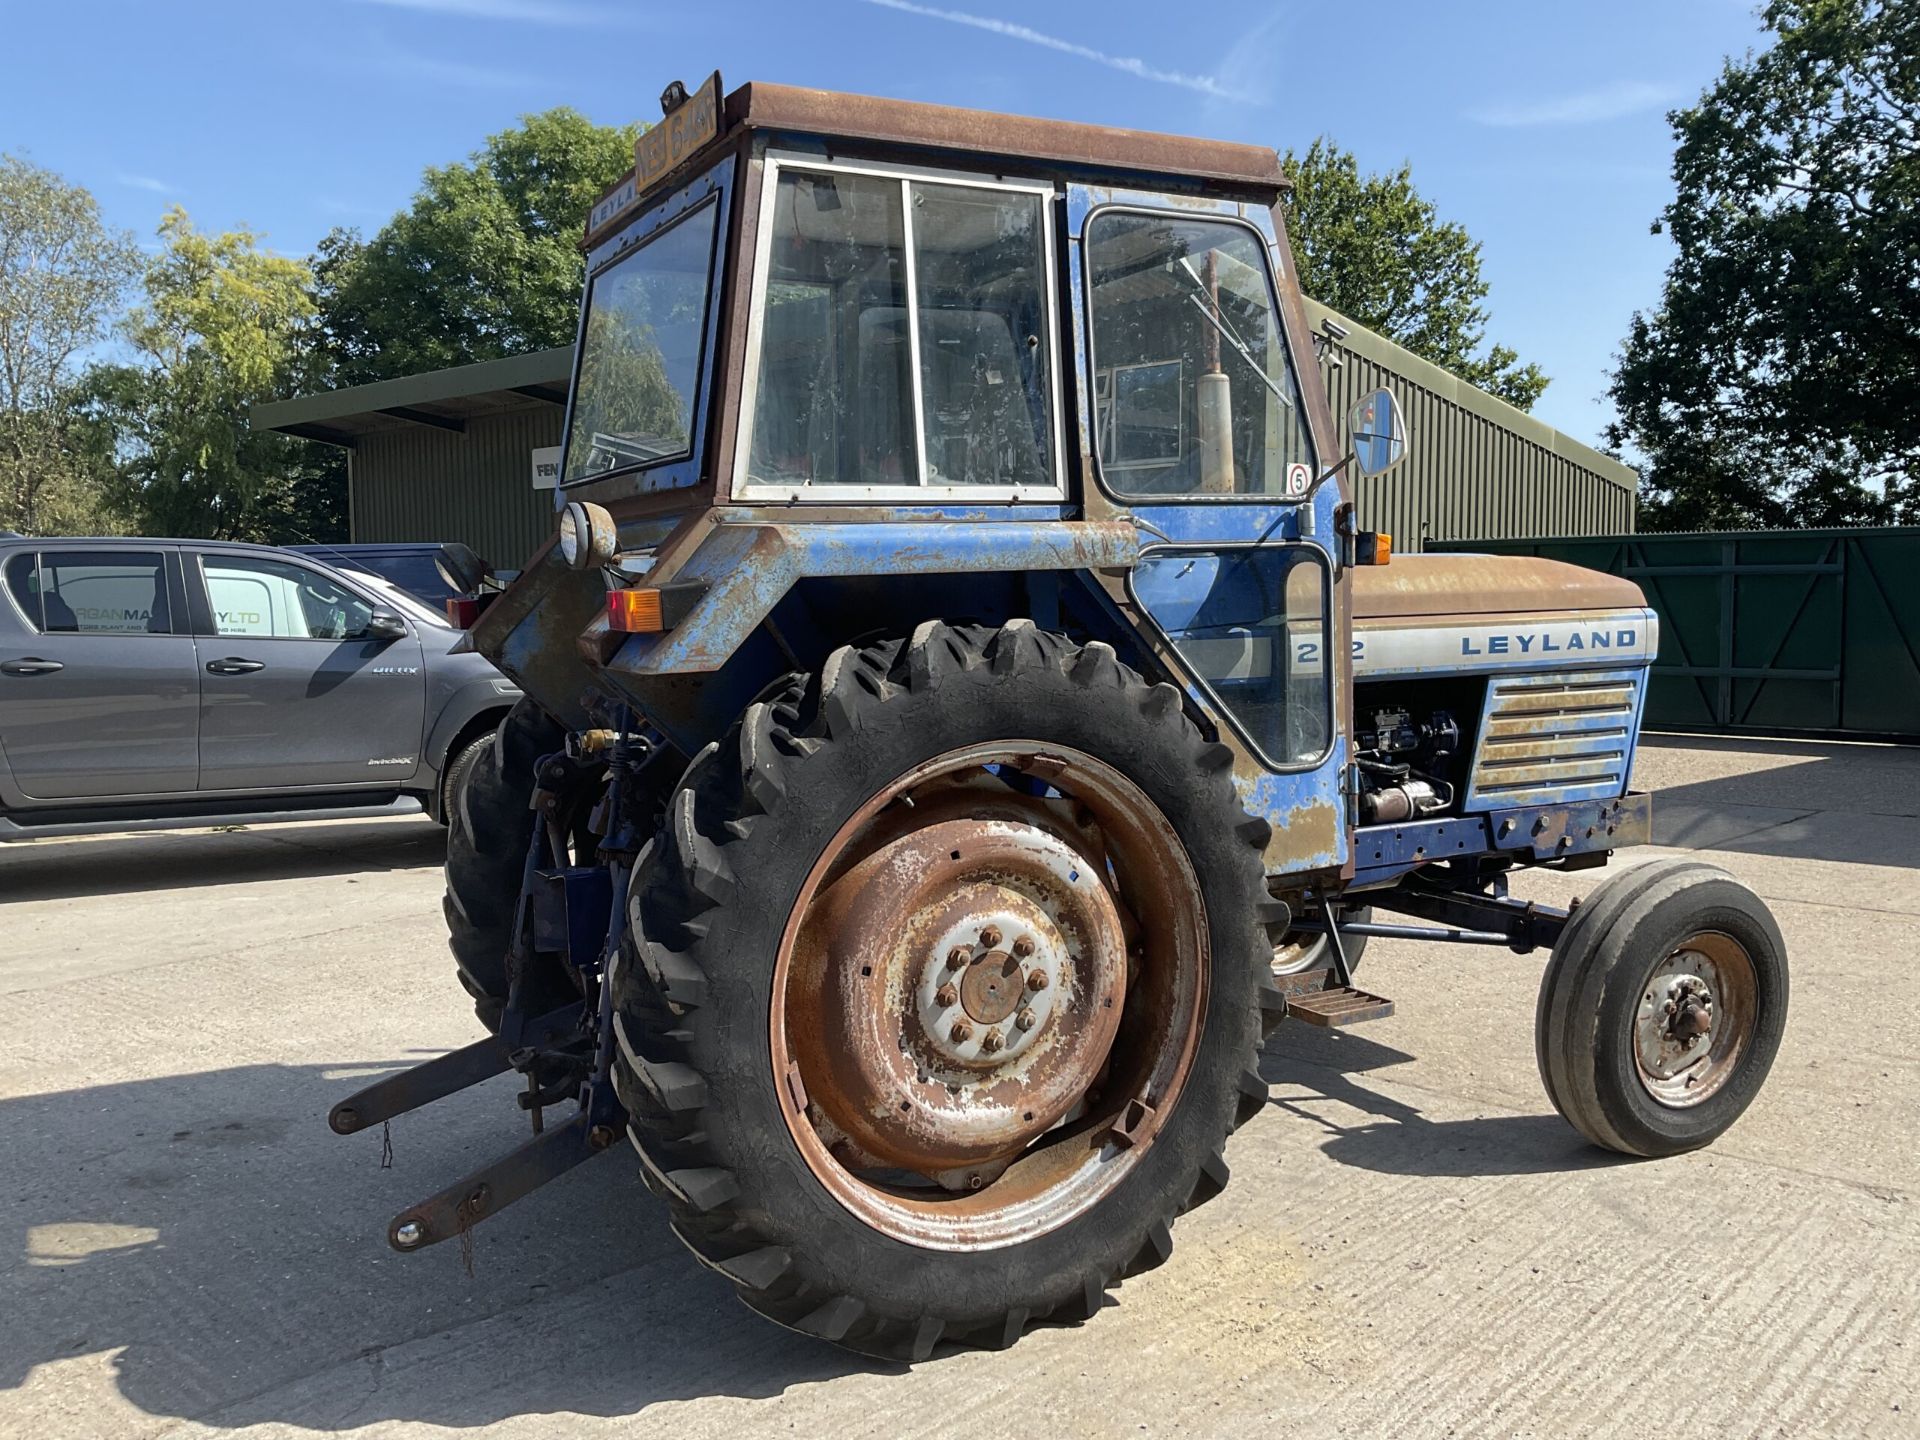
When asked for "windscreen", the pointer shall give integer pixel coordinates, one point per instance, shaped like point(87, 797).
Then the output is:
point(633, 403)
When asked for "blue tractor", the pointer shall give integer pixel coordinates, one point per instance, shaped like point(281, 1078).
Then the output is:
point(963, 719)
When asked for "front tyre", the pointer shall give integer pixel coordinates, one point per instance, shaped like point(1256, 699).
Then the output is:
point(963, 943)
point(1662, 1008)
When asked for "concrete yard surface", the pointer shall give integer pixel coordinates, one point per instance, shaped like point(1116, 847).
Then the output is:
point(1413, 1243)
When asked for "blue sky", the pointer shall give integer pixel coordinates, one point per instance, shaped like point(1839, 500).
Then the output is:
point(1539, 127)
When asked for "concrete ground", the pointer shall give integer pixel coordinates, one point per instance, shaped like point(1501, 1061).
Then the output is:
point(1413, 1243)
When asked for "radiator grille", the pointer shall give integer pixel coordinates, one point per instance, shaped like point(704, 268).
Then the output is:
point(1547, 738)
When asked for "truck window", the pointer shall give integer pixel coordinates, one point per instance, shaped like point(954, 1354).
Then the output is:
point(270, 599)
point(905, 336)
point(93, 592)
point(1194, 393)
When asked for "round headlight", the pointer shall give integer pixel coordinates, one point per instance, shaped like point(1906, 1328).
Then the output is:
point(588, 536)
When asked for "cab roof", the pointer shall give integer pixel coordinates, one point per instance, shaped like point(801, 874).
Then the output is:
point(763, 106)
point(949, 133)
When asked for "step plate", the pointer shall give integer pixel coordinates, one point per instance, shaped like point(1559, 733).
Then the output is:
point(1338, 1005)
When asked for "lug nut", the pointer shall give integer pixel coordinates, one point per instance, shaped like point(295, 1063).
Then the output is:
point(1023, 947)
point(1026, 1020)
point(956, 957)
point(1037, 980)
point(991, 1041)
point(946, 997)
point(990, 936)
point(961, 1032)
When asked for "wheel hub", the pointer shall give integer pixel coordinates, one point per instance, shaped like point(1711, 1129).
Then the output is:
point(1675, 1031)
point(971, 979)
point(985, 998)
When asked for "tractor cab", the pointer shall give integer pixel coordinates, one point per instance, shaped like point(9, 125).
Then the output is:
point(926, 363)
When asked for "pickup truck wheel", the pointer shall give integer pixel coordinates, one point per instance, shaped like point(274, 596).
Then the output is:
point(487, 832)
point(1662, 1008)
point(961, 950)
point(459, 765)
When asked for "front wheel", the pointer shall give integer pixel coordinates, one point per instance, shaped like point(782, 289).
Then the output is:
point(1662, 1008)
point(962, 943)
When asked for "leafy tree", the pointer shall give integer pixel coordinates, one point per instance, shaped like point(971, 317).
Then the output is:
point(225, 323)
point(485, 263)
point(1375, 249)
point(1778, 382)
point(62, 274)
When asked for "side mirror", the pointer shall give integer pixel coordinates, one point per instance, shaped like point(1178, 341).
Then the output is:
point(461, 567)
point(1379, 433)
point(385, 625)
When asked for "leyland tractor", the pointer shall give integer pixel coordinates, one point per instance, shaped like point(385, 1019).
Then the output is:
point(964, 718)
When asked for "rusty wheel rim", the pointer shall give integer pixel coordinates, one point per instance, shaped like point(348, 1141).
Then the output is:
point(988, 996)
point(1695, 1019)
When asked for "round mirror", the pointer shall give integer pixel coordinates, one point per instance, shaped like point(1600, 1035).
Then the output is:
point(1379, 433)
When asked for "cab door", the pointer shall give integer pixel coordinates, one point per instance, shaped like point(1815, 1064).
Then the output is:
point(296, 688)
point(1208, 424)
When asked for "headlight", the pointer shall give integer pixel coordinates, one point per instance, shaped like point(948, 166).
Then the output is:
point(587, 535)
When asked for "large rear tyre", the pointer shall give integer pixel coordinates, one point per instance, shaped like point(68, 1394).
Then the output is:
point(963, 943)
point(487, 832)
point(1662, 1008)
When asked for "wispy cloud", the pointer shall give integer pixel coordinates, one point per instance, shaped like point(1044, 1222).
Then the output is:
point(144, 182)
point(532, 12)
point(1585, 107)
point(412, 66)
point(1203, 84)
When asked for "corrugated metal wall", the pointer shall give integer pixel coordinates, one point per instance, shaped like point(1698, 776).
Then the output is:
point(423, 483)
point(1479, 469)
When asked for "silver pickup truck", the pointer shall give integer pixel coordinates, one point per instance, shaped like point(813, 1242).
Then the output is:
point(180, 679)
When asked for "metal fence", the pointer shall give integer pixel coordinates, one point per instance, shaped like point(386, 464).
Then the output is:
point(1477, 467)
point(1770, 632)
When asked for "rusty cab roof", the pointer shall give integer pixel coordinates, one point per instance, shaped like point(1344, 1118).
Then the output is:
point(935, 134)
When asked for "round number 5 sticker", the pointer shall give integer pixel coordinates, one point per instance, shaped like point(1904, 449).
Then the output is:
point(1299, 480)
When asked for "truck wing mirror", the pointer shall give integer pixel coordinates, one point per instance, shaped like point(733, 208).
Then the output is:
point(1379, 433)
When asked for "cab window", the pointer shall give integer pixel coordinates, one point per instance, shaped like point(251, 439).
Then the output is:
point(904, 336)
point(269, 599)
point(1194, 392)
point(92, 592)
point(1252, 624)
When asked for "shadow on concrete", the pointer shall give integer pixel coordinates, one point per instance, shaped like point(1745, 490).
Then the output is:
point(1311, 1071)
point(210, 1234)
point(184, 859)
point(1846, 803)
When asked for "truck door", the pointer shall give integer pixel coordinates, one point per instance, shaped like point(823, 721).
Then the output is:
point(98, 695)
point(294, 689)
point(1208, 424)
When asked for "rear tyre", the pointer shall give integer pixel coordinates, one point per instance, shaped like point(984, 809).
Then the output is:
point(488, 827)
point(1662, 1008)
point(974, 831)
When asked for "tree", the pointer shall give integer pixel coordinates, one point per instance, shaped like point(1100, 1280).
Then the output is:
point(1778, 382)
point(62, 274)
point(485, 263)
point(225, 323)
point(1373, 248)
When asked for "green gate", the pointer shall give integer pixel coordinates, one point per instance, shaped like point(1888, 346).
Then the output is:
point(1802, 631)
